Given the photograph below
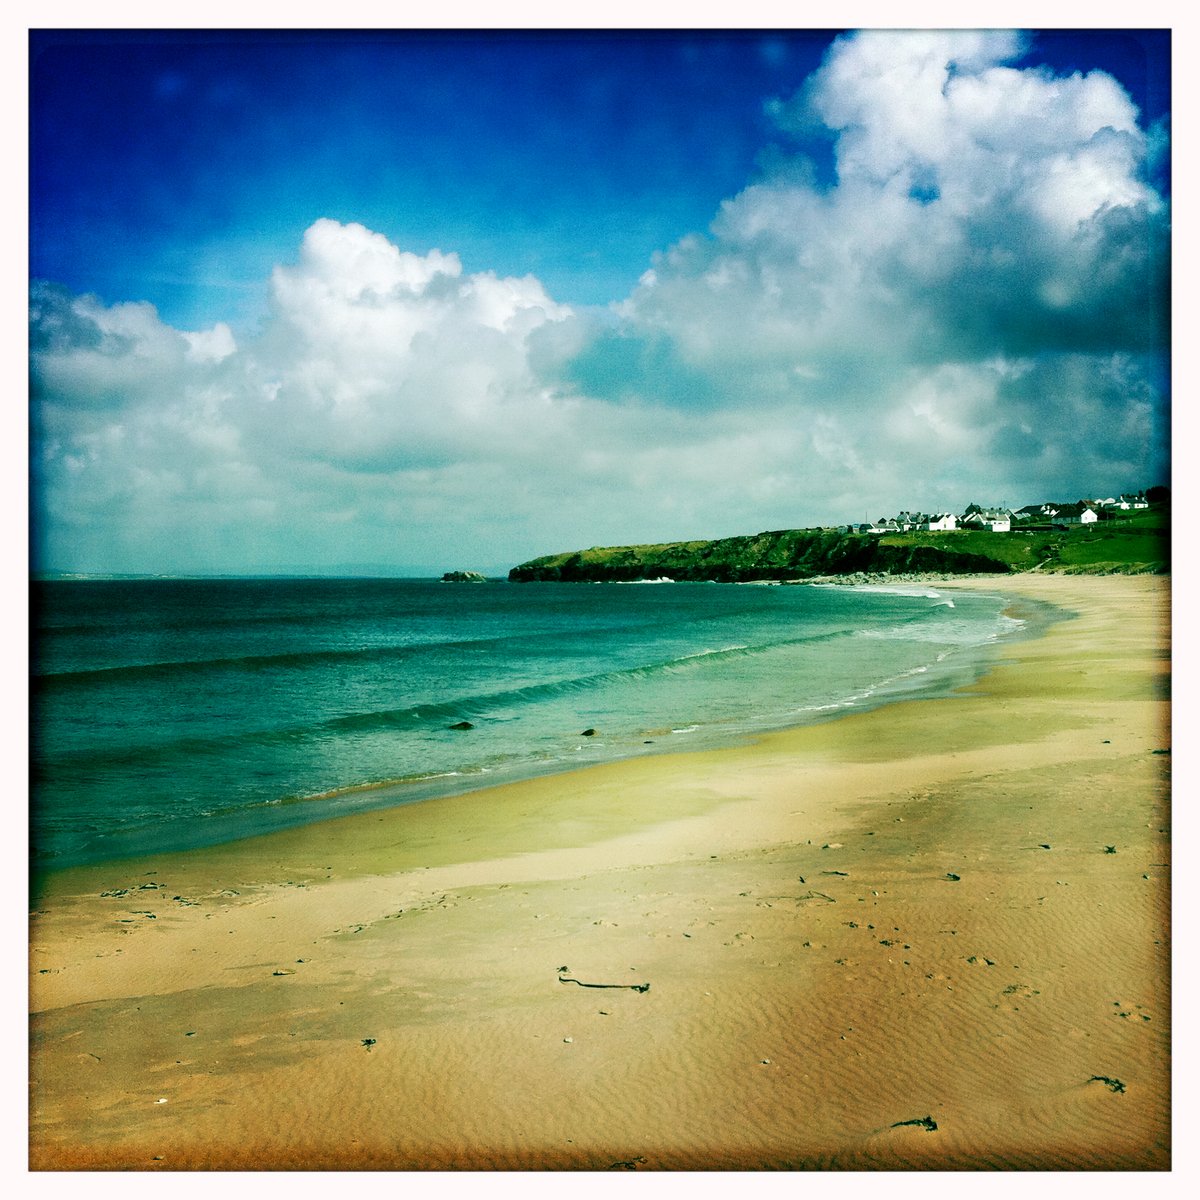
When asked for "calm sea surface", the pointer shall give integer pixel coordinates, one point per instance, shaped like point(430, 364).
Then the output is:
point(168, 714)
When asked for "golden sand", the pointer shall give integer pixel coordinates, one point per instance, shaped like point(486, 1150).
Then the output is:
point(931, 936)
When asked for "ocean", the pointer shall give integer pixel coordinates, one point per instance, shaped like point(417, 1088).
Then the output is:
point(172, 714)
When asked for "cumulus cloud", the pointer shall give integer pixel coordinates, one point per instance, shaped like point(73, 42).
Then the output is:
point(978, 210)
point(973, 308)
point(374, 362)
point(990, 231)
point(377, 360)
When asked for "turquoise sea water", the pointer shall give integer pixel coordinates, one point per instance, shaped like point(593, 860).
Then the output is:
point(168, 714)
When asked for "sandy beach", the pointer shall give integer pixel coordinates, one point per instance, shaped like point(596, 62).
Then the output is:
point(931, 936)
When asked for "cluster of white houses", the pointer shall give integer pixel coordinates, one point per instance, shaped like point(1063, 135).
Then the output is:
point(1002, 520)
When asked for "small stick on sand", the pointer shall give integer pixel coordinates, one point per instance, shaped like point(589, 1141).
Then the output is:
point(633, 987)
point(924, 1122)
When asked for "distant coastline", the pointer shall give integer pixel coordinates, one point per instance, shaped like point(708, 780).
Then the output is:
point(1136, 545)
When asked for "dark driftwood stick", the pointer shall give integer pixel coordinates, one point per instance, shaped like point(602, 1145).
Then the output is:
point(924, 1122)
point(633, 987)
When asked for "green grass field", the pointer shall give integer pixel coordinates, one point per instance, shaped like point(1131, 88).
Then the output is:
point(1139, 542)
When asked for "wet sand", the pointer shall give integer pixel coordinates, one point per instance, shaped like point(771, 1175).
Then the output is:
point(931, 936)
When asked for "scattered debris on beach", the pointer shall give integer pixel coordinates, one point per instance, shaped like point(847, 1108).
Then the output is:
point(1113, 1085)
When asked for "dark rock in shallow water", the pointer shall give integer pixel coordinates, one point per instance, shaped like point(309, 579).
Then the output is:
point(588, 733)
point(462, 725)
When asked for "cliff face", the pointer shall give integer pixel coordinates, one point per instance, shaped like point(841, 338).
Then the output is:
point(782, 554)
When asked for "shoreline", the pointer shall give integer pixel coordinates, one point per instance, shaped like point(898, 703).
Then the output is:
point(1036, 617)
point(258, 1004)
point(276, 816)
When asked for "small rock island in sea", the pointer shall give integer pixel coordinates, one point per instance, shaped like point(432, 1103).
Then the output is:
point(463, 577)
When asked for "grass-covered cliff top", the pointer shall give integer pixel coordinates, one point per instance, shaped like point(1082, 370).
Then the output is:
point(1132, 545)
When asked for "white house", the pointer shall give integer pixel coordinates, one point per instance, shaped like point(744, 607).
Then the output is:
point(997, 520)
point(940, 521)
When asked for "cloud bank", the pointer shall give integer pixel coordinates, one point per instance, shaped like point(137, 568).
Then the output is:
point(973, 307)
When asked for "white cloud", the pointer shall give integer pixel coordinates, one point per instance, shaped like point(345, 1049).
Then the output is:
point(377, 359)
point(960, 195)
point(211, 345)
point(981, 214)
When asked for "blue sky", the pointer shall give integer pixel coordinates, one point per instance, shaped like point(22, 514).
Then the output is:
point(343, 297)
point(180, 167)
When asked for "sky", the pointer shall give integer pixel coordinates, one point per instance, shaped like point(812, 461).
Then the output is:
point(421, 301)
